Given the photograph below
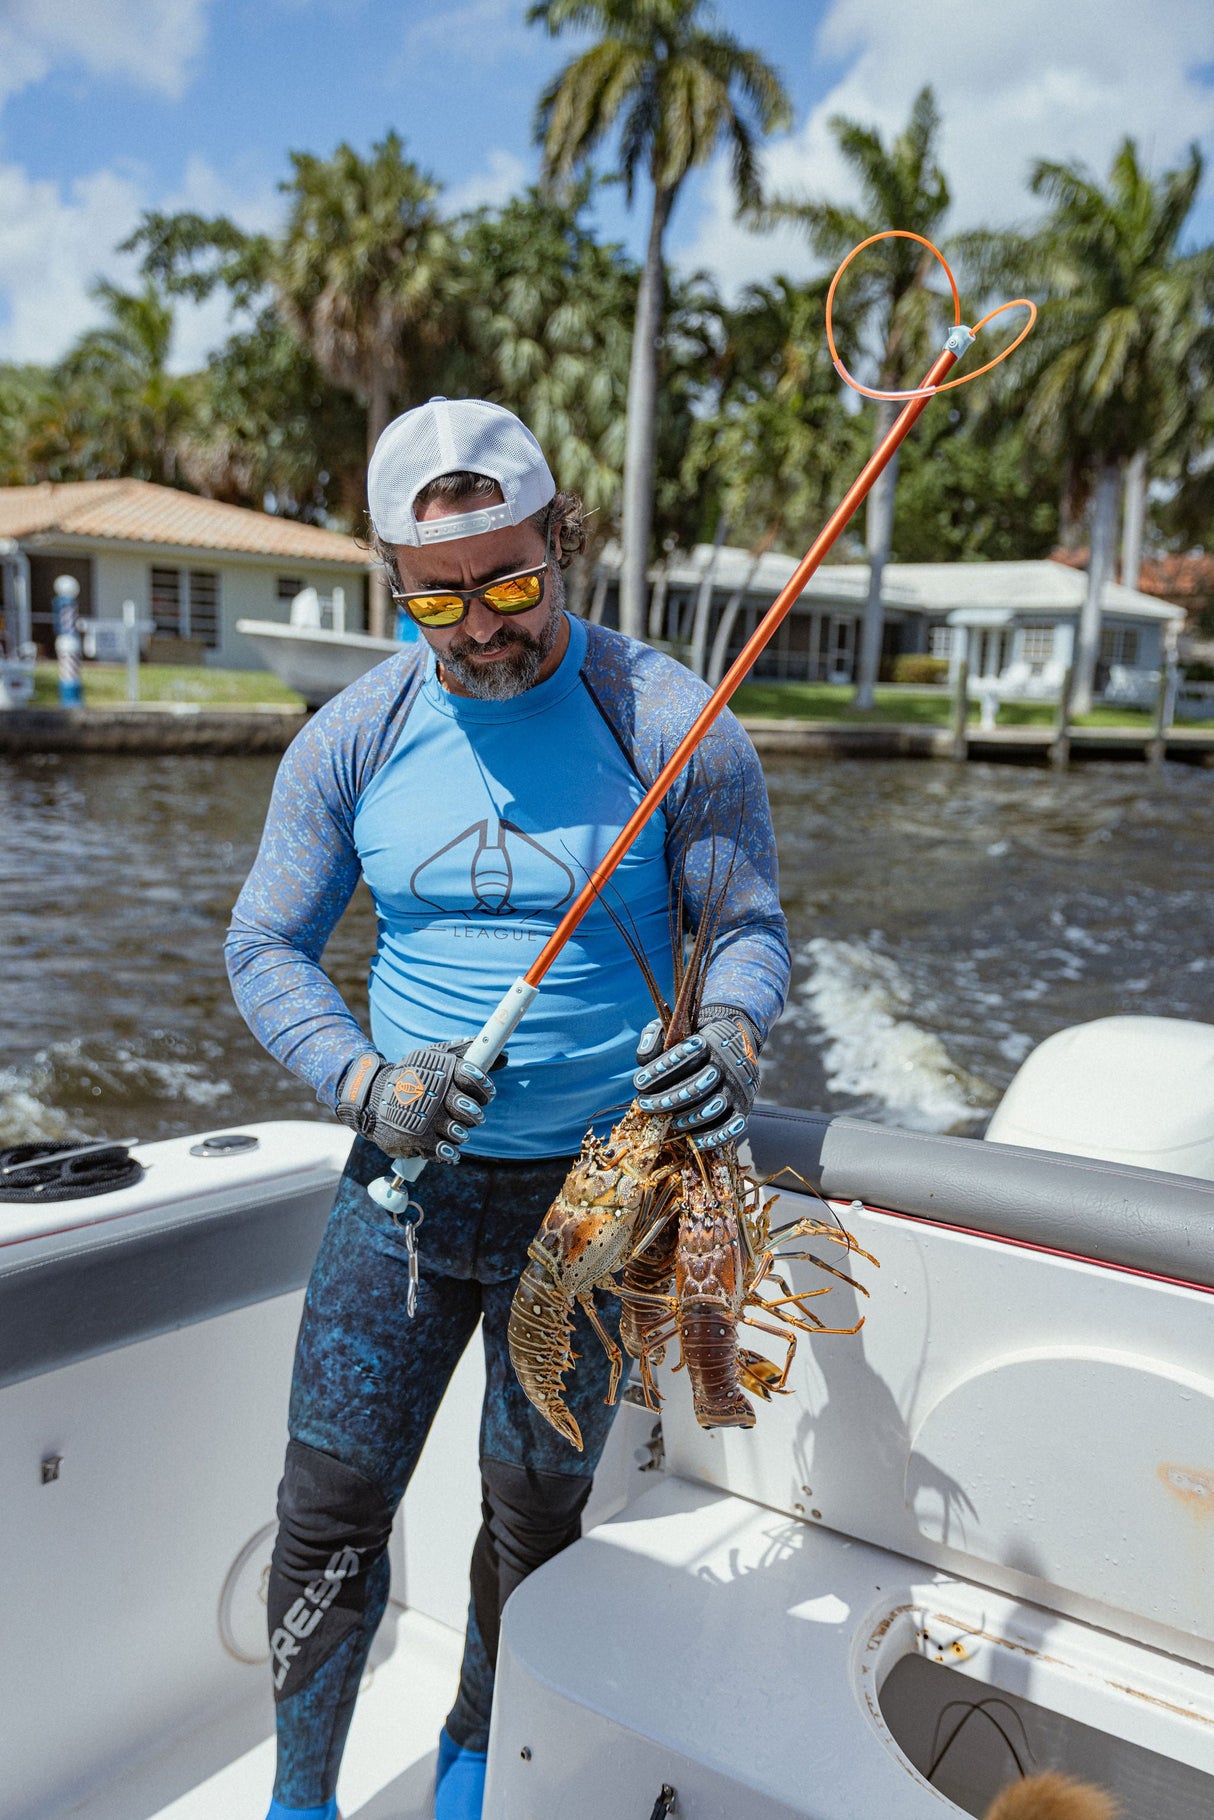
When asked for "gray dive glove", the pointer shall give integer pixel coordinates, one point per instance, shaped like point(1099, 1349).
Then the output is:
point(708, 1081)
point(425, 1105)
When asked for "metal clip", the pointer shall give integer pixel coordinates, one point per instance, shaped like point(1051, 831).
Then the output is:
point(409, 1228)
point(959, 339)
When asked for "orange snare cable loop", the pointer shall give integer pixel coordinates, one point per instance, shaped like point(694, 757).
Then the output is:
point(487, 1045)
point(925, 390)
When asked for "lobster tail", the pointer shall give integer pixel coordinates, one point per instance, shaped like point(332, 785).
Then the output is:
point(710, 1350)
point(538, 1337)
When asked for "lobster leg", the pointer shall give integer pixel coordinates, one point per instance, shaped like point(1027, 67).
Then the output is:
point(789, 1339)
point(810, 1325)
point(656, 1341)
point(829, 1268)
point(609, 1346)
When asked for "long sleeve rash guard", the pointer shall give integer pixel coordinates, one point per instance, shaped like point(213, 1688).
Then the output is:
point(474, 824)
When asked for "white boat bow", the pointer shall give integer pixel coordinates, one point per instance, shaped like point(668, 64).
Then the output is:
point(313, 660)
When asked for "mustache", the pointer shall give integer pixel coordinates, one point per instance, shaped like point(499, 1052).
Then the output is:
point(502, 640)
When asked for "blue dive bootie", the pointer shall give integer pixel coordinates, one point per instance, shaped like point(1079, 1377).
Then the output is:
point(327, 1812)
point(459, 1781)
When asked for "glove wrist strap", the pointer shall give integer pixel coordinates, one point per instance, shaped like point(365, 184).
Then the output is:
point(355, 1091)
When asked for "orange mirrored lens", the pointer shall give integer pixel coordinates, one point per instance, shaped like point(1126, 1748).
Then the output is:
point(436, 609)
point(513, 596)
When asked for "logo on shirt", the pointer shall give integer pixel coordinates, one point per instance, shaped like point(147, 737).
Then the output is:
point(479, 872)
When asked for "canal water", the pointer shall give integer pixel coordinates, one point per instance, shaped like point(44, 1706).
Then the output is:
point(944, 920)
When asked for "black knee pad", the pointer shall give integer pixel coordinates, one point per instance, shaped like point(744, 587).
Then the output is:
point(530, 1515)
point(333, 1527)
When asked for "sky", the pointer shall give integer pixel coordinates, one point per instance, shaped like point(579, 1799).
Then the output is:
point(110, 107)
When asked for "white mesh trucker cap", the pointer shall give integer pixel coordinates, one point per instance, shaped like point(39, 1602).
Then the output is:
point(445, 436)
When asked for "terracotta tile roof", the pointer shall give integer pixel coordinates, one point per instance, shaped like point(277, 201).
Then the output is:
point(1188, 581)
point(137, 511)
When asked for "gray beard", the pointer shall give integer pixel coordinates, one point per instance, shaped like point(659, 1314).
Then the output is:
point(511, 675)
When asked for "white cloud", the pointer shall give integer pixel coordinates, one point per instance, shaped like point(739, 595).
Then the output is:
point(55, 242)
point(504, 177)
point(478, 31)
point(1023, 80)
point(148, 42)
point(52, 245)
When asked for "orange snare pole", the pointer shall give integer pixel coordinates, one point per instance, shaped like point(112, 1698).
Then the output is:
point(485, 1048)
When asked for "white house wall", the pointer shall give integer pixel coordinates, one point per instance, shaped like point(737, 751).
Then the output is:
point(247, 590)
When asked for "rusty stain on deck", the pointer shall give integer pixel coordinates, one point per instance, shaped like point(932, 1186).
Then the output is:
point(1192, 1485)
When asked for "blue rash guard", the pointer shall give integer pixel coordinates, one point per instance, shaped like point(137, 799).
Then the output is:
point(475, 823)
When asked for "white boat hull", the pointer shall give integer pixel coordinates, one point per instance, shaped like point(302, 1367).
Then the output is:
point(317, 663)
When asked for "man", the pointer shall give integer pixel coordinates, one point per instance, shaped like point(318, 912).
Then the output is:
point(473, 781)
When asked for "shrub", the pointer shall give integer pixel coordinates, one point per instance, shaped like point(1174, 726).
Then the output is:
point(920, 669)
point(1197, 672)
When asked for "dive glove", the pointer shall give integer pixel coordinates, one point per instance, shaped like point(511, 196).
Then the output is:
point(424, 1105)
point(708, 1081)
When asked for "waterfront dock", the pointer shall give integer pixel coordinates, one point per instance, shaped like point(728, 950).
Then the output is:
point(186, 727)
point(150, 729)
point(996, 745)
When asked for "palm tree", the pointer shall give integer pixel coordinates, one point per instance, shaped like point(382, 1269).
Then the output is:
point(270, 428)
point(362, 272)
point(766, 460)
point(115, 408)
point(674, 86)
point(549, 323)
point(1114, 373)
point(901, 186)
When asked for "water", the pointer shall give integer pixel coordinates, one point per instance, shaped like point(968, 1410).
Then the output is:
point(943, 920)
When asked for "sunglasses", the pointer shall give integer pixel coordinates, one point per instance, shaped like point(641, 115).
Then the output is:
point(507, 595)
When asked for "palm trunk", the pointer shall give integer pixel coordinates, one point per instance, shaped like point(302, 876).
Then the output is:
point(577, 585)
point(703, 612)
point(729, 618)
point(639, 435)
point(1133, 519)
point(878, 536)
point(657, 603)
point(379, 413)
point(1100, 573)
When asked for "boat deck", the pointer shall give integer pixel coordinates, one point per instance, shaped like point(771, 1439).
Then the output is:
point(389, 1767)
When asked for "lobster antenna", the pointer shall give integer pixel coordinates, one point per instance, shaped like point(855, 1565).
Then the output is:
point(714, 914)
point(629, 935)
point(691, 984)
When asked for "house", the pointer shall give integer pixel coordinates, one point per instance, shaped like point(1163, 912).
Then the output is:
point(192, 566)
point(1027, 614)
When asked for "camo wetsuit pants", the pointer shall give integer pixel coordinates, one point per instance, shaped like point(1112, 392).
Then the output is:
point(367, 1384)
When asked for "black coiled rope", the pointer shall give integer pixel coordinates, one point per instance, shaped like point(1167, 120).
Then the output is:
point(65, 1171)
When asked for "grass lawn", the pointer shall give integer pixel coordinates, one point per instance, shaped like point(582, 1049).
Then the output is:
point(105, 686)
point(910, 707)
point(832, 701)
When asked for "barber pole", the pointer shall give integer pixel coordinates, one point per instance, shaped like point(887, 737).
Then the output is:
point(67, 641)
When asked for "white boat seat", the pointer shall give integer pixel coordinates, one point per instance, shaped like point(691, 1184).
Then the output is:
point(705, 1643)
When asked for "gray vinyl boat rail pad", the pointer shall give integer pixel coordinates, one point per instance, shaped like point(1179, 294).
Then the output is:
point(73, 1294)
point(1112, 1213)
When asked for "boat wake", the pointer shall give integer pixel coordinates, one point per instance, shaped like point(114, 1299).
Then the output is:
point(874, 1053)
point(80, 1090)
